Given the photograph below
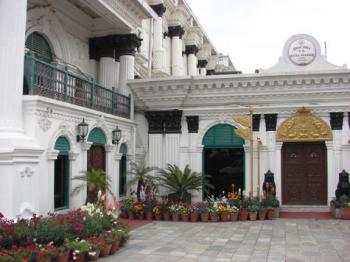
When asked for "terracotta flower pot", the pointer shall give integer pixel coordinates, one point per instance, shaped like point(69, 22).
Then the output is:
point(184, 217)
point(204, 217)
point(234, 216)
point(149, 215)
point(214, 217)
point(43, 259)
point(63, 257)
point(131, 215)
point(262, 215)
point(243, 215)
point(105, 250)
point(158, 216)
point(141, 216)
point(270, 214)
point(345, 213)
point(224, 217)
point(115, 247)
point(166, 216)
point(252, 216)
point(93, 256)
point(175, 217)
point(194, 217)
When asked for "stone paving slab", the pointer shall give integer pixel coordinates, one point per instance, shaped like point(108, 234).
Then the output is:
point(302, 240)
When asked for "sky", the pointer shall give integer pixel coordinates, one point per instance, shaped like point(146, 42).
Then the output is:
point(253, 32)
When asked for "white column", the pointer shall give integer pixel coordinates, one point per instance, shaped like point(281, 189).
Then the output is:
point(106, 72)
point(126, 72)
point(172, 147)
point(49, 190)
point(184, 64)
point(115, 177)
point(332, 176)
point(192, 64)
point(176, 55)
point(278, 170)
point(246, 188)
point(116, 76)
point(203, 71)
point(167, 56)
point(158, 51)
point(12, 38)
point(155, 152)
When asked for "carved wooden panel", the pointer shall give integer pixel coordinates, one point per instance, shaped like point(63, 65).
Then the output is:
point(304, 174)
point(96, 157)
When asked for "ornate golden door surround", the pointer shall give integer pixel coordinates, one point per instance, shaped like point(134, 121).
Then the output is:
point(304, 127)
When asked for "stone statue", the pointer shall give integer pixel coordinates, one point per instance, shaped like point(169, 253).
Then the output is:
point(269, 186)
point(343, 187)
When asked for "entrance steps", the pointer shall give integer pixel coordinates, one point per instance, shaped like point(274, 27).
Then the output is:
point(302, 208)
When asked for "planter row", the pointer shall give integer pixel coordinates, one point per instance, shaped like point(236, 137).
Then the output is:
point(195, 217)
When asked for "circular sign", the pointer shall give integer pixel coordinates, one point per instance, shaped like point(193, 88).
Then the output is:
point(302, 52)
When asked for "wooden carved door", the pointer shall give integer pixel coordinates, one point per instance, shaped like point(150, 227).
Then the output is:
point(304, 174)
point(96, 157)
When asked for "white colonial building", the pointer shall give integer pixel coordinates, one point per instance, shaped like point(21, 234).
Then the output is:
point(68, 62)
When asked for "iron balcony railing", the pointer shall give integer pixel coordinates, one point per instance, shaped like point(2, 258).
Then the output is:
point(44, 79)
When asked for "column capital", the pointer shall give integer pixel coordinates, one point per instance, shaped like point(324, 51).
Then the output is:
point(73, 155)
point(127, 44)
point(176, 31)
point(109, 148)
point(256, 122)
point(85, 146)
point(270, 121)
point(192, 124)
point(202, 63)
point(336, 120)
point(164, 122)
point(191, 49)
point(52, 154)
point(159, 9)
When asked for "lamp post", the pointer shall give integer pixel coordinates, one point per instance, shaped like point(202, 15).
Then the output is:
point(83, 129)
point(116, 135)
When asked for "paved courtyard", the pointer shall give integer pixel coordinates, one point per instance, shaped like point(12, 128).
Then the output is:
point(277, 240)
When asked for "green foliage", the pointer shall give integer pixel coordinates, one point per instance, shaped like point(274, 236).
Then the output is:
point(48, 230)
point(344, 201)
point(182, 182)
point(92, 226)
point(139, 174)
point(76, 245)
point(253, 208)
point(23, 233)
point(95, 180)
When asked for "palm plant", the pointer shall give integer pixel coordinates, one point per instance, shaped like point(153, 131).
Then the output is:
point(140, 175)
point(95, 180)
point(182, 182)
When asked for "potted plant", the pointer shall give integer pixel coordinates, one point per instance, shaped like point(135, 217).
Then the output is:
point(63, 254)
point(108, 238)
point(345, 207)
point(156, 212)
point(253, 212)
point(224, 212)
point(180, 183)
point(262, 213)
point(164, 210)
point(78, 248)
point(46, 253)
point(184, 214)
point(194, 214)
point(139, 210)
point(96, 244)
point(213, 214)
point(117, 236)
point(203, 210)
point(243, 211)
point(233, 211)
point(175, 210)
point(128, 204)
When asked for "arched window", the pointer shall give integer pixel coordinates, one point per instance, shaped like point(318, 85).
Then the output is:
point(123, 170)
point(61, 175)
point(39, 45)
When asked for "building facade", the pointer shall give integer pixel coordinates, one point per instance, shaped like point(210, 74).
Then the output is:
point(72, 62)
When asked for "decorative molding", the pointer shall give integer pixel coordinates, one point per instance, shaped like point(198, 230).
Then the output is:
point(192, 124)
point(304, 126)
point(52, 154)
point(109, 148)
point(194, 36)
point(256, 122)
point(44, 123)
point(336, 120)
point(118, 157)
point(202, 63)
point(191, 49)
point(164, 122)
point(159, 9)
point(73, 155)
point(26, 172)
point(270, 122)
point(85, 146)
point(175, 31)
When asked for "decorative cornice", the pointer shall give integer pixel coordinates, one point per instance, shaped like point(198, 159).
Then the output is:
point(256, 122)
point(336, 120)
point(164, 122)
point(192, 124)
point(175, 31)
point(270, 122)
point(194, 36)
point(159, 9)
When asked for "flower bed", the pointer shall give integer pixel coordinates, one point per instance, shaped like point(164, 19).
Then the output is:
point(79, 234)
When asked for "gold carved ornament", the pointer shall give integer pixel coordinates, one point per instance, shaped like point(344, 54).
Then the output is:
point(302, 127)
point(246, 122)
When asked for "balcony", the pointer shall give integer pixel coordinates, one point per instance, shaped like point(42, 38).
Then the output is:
point(45, 79)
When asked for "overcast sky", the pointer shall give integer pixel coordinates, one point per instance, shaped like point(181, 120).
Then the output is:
point(253, 32)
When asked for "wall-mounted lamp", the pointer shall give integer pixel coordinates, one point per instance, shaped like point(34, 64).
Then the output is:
point(83, 129)
point(116, 135)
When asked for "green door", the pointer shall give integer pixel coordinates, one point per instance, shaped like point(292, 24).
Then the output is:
point(223, 159)
point(123, 170)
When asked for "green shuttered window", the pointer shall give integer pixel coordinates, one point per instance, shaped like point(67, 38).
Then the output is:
point(62, 145)
point(97, 136)
point(38, 44)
